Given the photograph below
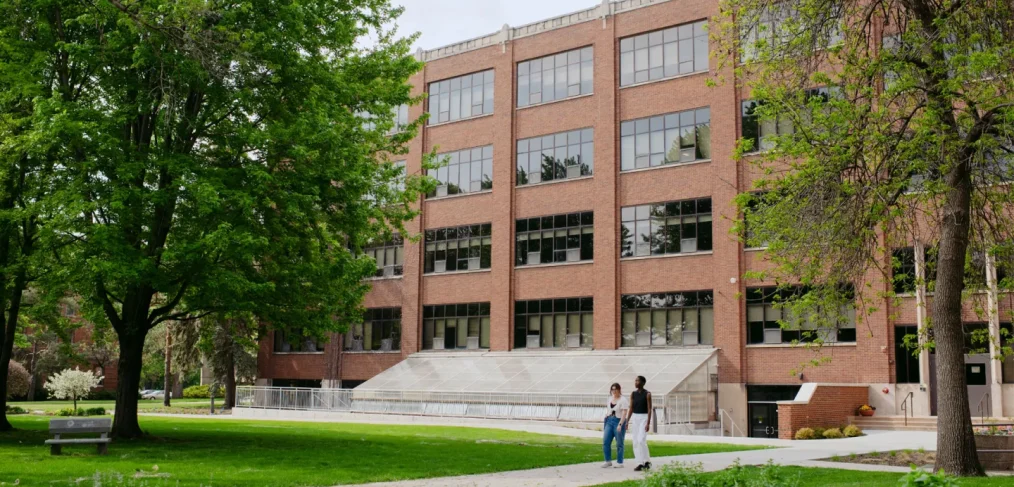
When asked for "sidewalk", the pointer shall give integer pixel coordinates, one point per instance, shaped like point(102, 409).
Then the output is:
point(794, 453)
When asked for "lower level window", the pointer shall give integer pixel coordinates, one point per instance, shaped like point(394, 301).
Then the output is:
point(380, 331)
point(287, 342)
point(668, 319)
point(906, 354)
point(553, 323)
point(450, 326)
point(769, 320)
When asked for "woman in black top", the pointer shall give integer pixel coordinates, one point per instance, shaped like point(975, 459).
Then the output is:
point(639, 419)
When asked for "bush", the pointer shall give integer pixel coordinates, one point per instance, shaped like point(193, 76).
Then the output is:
point(95, 412)
point(677, 475)
point(818, 433)
point(852, 431)
point(833, 433)
point(71, 412)
point(16, 410)
point(18, 380)
point(805, 434)
point(103, 395)
point(921, 478)
point(197, 392)
point(693, 475)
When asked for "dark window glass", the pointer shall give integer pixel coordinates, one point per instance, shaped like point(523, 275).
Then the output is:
point(906, 354)
point(380, 331)
point(446, 327)
point(553, 323)
point(666, 228)
point(558, 238)
point(903, 264)
point(389, 255)
point(765, 314)
point(466, 171)
point(667, 319)
point(296, 343)
point(457, 249)
point(557, 156)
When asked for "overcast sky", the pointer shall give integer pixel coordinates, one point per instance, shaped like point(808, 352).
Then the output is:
point(443, 22)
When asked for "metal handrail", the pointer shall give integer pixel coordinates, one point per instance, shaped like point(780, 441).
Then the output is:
point(909, 399)
point(984, 408)
point(732, 431)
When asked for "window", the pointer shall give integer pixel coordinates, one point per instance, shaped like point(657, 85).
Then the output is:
point(556, 156)
point(664, 53)
point(906, 354)
point(462, 248)
point(750, 215)
point(666, 228)
point(555, 77)
point(557, 238)
point(770, 27)
point(380, 331)
point(903, 263)
point(294, 343)
point(668, 319)
point(1007, 344)
point(462, 97)
point(466, 171)
point(762, 131)
point(553, 323)
point(450, 326)
point(764, 312)
point(390, 256)
point(666, 139)
point(399, 117)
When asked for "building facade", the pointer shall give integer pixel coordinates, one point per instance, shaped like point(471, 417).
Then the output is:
point(587, 204)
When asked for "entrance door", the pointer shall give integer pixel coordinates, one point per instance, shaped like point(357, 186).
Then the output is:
point(977, 376)
point(764, 420)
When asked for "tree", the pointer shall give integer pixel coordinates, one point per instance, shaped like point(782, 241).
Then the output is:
point(218, 163)
point(882, 121)
point(72, 384)
point(17, 380)
point(230, 347)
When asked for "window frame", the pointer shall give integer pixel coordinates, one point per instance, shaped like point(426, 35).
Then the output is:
point(904, 357)
point(581, 59)
point(662, 136)
point(456, 166)
point(385, 320)
point(432, 240)
point(443, 92)
point(432, 314)
point(396, 245)
point(647, 305)
point(584, 144)
point(766, 299)
point(581, 224)
point(581, 307)
point(647, 47)
point(647, 216)
point(280, 340)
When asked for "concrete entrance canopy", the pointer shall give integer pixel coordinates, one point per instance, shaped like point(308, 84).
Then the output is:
point(552, 372)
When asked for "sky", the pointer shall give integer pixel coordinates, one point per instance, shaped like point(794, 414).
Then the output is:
point(443, 22)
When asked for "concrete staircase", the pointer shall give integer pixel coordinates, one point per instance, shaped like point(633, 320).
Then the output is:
point(895, 423)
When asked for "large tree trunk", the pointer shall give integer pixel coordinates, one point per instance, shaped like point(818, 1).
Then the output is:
point(955, 439)
point(6, 347)
point(33, 376)
point(129, 374)
point(168, 379)
point(178, 384)
point(230, 379)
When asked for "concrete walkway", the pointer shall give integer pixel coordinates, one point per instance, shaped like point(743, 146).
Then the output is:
point(799, 453)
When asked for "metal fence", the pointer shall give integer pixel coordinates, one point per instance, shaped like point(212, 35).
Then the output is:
point(674, 409)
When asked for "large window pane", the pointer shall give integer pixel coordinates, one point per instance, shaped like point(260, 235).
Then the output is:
point(457, 249)
point(664, 53)
point(669, 319)
point(672, 138)
point(462, 97)
point(553, 320)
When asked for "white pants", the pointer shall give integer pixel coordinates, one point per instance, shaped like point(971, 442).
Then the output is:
point(638, 422)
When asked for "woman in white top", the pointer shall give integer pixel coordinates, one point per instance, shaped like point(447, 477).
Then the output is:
point(615, 426)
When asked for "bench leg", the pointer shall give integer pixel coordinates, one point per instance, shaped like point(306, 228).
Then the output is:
point(103, 448)
point(55, 449)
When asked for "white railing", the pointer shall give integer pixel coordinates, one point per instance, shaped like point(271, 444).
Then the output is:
point(722, 416)
point(675, 409)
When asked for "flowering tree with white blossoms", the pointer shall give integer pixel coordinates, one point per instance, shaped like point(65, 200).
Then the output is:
point(72, 384)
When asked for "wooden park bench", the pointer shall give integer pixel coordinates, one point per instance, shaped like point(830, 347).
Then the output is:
point(75, 426)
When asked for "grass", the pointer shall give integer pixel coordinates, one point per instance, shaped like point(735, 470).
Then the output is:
point(216, 452)
point(142, 404)
point(829, 477)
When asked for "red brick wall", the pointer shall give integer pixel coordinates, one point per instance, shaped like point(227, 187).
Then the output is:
point(830, 406)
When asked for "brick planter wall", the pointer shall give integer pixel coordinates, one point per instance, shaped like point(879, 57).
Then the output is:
point(995, 461)
point(829, 406)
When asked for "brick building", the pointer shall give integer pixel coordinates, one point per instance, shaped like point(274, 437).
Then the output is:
point(587, 205)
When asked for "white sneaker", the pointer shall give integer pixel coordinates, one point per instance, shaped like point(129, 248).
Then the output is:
point(607, 464)
point(618, 465)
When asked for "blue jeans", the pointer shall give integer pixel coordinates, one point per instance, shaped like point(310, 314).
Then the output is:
point(608, 433)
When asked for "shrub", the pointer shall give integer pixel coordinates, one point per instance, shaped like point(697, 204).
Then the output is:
point(692, 475)
point(921, 478)
point(16, 410)
point(72, 384)
point(198, 392)
point(103, 395)
point(852, 431)
point(818, 433)
point(71, 412)
point(18, 380)
point(805, 434)
point(833, 433)
point(95, 412)
point(677, 475)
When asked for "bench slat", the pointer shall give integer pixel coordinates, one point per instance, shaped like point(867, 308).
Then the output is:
point(79, 441)
point(80, 425)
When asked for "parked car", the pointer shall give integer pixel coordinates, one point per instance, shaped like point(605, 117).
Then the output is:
point(155, 394)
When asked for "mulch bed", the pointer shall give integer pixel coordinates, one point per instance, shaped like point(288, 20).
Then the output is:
point(897, 458)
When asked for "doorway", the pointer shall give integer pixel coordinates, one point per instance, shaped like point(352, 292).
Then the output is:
point(763, 420)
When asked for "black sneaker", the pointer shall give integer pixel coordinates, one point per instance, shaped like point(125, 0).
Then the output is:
point(639, 468)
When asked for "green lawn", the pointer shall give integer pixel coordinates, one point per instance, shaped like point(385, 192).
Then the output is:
point(826, 477)
point(216, 452)
point(142, 404)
